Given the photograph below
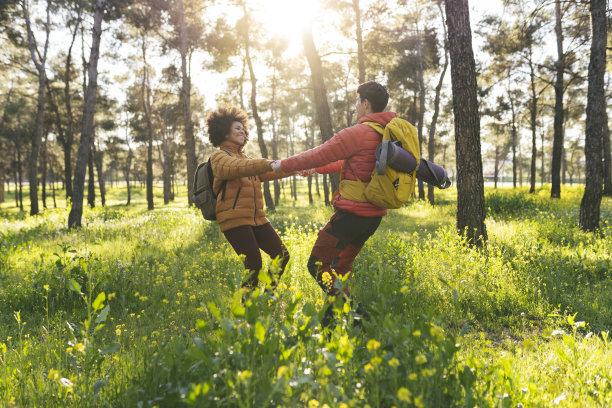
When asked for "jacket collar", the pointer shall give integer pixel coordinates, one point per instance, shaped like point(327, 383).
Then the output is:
point(231, 147)
point(379, 117)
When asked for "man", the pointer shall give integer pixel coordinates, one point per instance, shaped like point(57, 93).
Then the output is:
point(352, 152)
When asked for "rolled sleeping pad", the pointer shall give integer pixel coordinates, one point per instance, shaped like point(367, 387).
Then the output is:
point(391, 154)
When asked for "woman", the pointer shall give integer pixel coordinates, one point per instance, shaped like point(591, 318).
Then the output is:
point(238, 178)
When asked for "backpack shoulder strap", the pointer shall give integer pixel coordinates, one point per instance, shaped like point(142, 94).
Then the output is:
point(376, 126)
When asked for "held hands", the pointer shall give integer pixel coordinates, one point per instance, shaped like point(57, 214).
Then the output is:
point(276, 166)
point(306, 173)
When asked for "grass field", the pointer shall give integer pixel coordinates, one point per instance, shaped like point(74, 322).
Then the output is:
point(140, 308)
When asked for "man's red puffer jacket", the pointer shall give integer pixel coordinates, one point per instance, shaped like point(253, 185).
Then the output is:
point(352, 150)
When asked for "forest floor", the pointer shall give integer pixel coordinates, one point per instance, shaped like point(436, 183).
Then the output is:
point(141, 308)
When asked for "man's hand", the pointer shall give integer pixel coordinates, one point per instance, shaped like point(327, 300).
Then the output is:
point(276, 166)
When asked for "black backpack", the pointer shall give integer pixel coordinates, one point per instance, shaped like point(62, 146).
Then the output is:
point(203, 197)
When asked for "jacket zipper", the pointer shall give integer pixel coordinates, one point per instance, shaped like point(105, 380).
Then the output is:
point(254, 203)
point(236, 199)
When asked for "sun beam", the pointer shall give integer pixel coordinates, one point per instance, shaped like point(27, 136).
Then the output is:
point(286, 18)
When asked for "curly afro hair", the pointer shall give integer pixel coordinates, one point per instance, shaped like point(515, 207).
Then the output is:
point(219, 123)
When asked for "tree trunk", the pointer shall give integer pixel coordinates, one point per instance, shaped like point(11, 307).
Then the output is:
point(421, 112)
point(431, 146)
point(258, 122)
point(2, 181)
point(607, 191)
point(274, 136)
point(76, 213)
point(514, 142)
point(39, 61)
point(99, 162)
point(53, 188)
point(470, 184)
point(542, 170)
point(496, 167)
point(43, 182)
point(20, 178)
point(326, 190)
point(533, 106)
point(127, 176)
point(69, 136)
point(320, 97)
point(359, 36)
point(146, 102)
point(186, 99)
point(595, 119)
point(91, 185)
point(165, 162)
point(555, 190)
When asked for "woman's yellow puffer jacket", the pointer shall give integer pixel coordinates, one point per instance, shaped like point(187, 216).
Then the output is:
point(240, 201)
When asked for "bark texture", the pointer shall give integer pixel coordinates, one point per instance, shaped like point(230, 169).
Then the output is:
point(470, 184)
point(87, 133)
point(320, 96)
point(595, 120)
point(555, 176)
point(186, 100)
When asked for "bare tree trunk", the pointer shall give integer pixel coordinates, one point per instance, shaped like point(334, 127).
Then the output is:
point(514, 142)
point(533, 106)
point(421, 113)
point(470, 184)
point(91, 185)
point(99, 162)
point(165, 161)
point(595, 117)
point(292, 147)
point(258, 122)
point(43, 182)
point(320, 97)
point(2, 181)
point(496, 167)
point(431, 145)
point(53, 188)
point(607, 191)
point(20, 178)
point(274, 136)
point(146, 102)
point(555, 190)
point(542, 170)
point(359, 35)
point(127, 176)
point(69, 136)
point(87, 134)
point(186, 99)
point(40, 62)
point(326, 190)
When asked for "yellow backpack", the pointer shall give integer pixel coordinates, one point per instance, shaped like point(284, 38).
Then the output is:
point(391, 189)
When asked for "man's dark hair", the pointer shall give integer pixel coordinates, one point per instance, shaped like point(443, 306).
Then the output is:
point(219, 123)
point(375, 93)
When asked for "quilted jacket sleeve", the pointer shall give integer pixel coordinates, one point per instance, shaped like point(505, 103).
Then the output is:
point(231, 167)
point(272, 175)
point(343, 145)
point(334, 167)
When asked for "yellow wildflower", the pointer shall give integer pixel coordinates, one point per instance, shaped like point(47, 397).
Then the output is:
point(404, 394)
point(313, 403)
point(394, 362)
point(373, 345)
